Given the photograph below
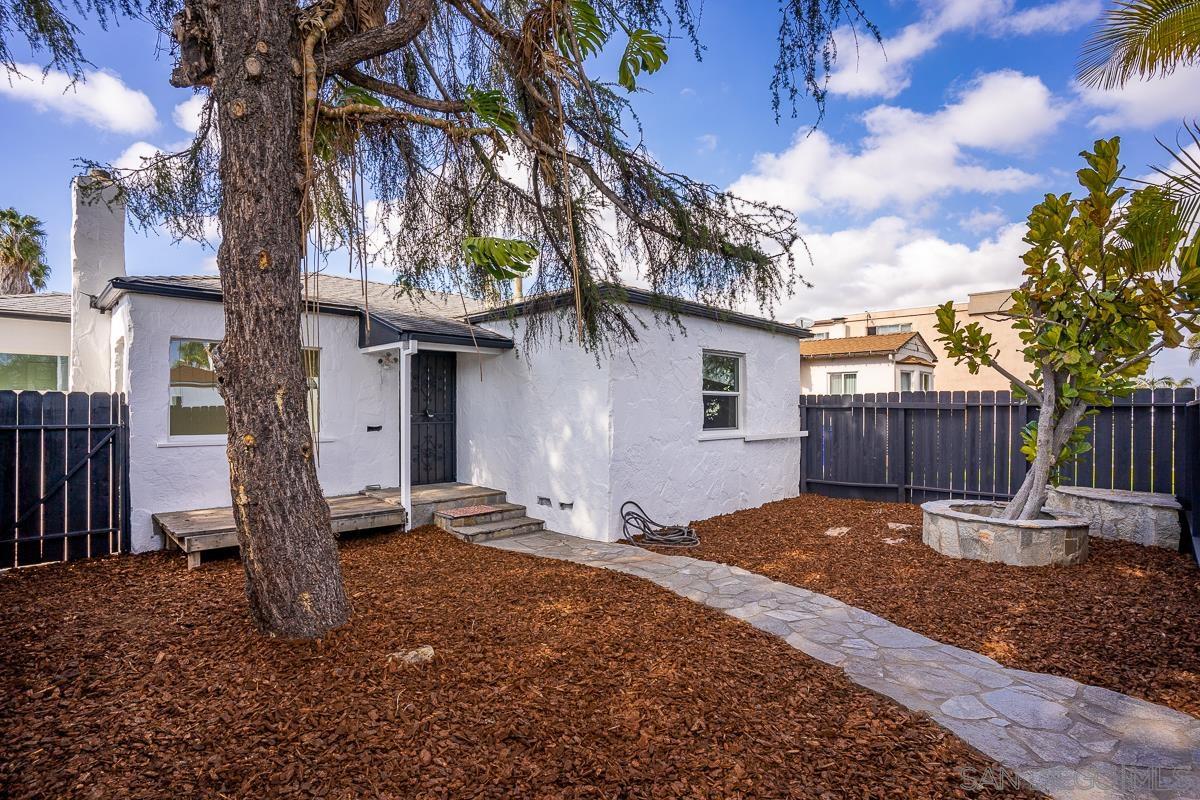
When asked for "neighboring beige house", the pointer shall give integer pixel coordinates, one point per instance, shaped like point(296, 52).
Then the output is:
point(35, 340)
point(888, 362)
point(981, 307)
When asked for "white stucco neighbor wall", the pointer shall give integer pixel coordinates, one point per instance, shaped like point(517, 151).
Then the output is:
point(539, 425)
point(875, 373)
point(551, 423)
point(169, 474)
point(661, 456)
point(35, 337)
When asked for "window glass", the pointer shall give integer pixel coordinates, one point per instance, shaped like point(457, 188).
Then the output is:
point(926, 381)
point(899, 327)
point(22, 372)
point(843, 382)
point(721, 387)
point(906, 381)
point(196, 407)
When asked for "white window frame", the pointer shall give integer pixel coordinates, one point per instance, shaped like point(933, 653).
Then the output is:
point(893, 327)
point(926, 381)
point(740, 394)
point(841, 376)
point(911, 379)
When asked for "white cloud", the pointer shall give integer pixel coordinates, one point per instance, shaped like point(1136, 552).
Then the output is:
point(891, 263)
point(706, 143)
point(1144, 104)
point(187, 114)
point(876, 71)
point(100, 98)
point(979, 220)
point(135, 155)
point(908, 157)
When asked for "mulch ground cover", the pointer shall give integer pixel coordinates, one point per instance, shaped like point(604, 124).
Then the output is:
point(134, 678)
point(1127, 619)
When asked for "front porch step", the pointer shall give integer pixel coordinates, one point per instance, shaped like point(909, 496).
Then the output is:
point(501, 529)
point(448, 518)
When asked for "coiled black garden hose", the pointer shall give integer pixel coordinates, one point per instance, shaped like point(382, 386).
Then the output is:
point(637, 528)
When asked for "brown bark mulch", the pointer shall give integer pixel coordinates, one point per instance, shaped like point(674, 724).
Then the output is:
point(132, 677)
point(1127, 619)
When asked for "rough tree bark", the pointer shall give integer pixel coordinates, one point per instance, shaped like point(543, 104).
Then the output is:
point(14, 280)
point(293, 578)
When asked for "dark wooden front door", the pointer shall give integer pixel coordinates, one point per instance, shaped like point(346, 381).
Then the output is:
point(433, 402)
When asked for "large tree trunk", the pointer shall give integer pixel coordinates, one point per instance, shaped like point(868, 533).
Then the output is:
point(293, 579)
point(14, 280)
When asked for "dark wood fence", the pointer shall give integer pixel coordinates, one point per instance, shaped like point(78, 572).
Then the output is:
point(920, 446)
point(64, 476)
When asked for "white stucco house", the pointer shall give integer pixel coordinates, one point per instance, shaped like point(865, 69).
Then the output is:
point(882, 362)
point(688, 423)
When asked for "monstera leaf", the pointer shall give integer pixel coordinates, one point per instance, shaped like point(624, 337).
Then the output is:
point(491, 106)
point(503, 259)
point(646, 52)
point(589, 30)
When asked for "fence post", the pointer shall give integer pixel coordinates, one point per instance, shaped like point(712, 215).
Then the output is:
point(804, 445)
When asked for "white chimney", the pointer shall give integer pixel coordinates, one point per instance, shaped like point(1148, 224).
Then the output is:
point(97, 256)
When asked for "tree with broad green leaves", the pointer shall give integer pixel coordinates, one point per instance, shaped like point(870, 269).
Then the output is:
point(490, 145)
point(1111, 278)
point(23, 267)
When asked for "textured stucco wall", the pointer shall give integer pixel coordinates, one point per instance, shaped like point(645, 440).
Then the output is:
point(660, 458)
point(539, 424)
point(191, 472)
point(35, 337)
point(97, 256)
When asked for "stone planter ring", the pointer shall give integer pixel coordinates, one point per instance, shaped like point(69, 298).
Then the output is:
point(972, 529)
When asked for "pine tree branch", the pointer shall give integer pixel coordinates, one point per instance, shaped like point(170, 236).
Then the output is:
point(379, 41)
point(388, 89)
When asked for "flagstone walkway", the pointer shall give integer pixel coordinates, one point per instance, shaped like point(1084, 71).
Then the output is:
point(1062, 737)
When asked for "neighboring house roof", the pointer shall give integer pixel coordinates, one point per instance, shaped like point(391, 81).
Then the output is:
point(53, 306)
point(849, 346)
point(435, 317)
point(640, 297)
point(915, 361)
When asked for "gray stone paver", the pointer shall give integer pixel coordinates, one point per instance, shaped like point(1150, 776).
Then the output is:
point(1063, 738)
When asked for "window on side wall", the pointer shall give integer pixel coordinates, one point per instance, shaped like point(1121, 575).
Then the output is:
point(906, 381)
point(196, 407)
point(926, 381)
point(843, 382)
point(24, 372)
point(898, 327)
point(722, 391)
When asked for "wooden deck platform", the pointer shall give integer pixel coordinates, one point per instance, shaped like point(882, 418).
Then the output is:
point(193, 532)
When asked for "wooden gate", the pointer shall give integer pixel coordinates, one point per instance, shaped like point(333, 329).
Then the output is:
point(64, 476)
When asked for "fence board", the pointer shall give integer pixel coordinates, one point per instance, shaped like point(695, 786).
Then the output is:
point(29, 477)
point(8, 477)
point(921, 446)
point(54, 468)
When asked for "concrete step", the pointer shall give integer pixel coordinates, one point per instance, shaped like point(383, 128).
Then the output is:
point(451, 518)
point(498, 530)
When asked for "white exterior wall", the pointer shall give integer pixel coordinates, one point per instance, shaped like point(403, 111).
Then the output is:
point(875, 374)
point(553, 423)
point(661, 457)
point(35, 337)
point(539, 425)
point(97, 256)
point(192, 472)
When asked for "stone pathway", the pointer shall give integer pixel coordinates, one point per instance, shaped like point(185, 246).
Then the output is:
point(1063, 738)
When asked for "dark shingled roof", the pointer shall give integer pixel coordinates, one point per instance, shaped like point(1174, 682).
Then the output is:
point(44, 305)
point(433, 317)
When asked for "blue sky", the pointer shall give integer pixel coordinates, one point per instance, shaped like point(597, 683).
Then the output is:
point(912, 191)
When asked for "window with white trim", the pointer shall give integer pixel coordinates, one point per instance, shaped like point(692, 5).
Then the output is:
point(898, 327)
point(906, 380)
point(926, 381)
point(843, 382)
point(25, 372)
point(197, 408)
point(722, 389)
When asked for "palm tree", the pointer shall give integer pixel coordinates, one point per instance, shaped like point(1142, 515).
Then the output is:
point(23, 267)
point(1141, 39)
